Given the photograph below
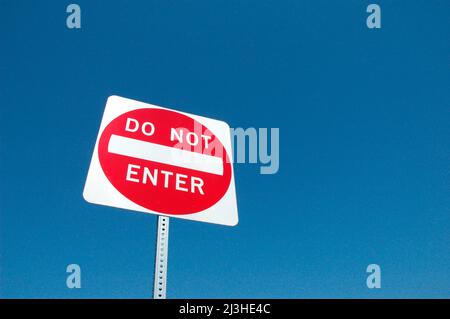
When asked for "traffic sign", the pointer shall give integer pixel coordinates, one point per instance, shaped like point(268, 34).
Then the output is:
point(160, 161)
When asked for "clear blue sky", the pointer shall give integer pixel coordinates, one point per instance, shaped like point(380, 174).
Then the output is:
point(364, 164)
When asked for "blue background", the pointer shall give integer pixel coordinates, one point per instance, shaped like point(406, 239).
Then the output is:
point(364, 161)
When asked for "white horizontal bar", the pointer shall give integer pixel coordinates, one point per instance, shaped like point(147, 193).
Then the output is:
point(131, 147)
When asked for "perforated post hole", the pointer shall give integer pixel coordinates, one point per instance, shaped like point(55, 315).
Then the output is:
point(162, 245)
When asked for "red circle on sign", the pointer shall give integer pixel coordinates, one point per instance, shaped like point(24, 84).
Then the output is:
point(139, 154)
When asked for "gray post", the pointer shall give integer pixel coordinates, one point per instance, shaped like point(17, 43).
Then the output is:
point(162, 247)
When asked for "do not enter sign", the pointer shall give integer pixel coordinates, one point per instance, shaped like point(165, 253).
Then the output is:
point(156, 160)
point(164, 161)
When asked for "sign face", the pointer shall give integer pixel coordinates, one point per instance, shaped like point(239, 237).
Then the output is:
point(160, 161)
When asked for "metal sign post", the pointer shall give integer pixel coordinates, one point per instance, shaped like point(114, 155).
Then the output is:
point(162, 247)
